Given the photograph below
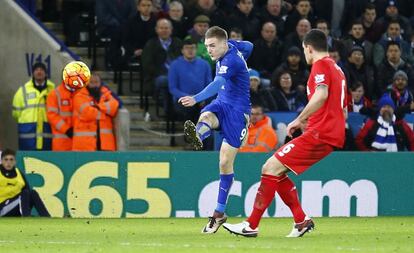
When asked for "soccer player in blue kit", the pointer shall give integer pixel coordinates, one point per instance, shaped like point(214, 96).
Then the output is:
point(229, 112)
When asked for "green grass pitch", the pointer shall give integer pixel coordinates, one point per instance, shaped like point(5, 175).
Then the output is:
point(382, 234)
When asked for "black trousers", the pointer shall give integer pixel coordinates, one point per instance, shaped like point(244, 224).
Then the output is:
point(22, 205)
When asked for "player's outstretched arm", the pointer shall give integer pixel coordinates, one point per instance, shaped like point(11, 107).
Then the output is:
point(316, 102)
point(209, 91)
point(245, 47)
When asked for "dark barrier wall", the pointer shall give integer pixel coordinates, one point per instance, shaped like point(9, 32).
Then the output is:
point(184, 184)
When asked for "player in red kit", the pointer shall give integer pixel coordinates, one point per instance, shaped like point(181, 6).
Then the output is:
point(325, 129)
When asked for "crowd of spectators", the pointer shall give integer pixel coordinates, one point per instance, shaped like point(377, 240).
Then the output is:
point(371, 40)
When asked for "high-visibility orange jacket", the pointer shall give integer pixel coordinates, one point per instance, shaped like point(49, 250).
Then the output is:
point(59, 106)
point(90, 116)
point(261, 138)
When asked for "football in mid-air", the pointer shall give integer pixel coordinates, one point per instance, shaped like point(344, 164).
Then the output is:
point(76, 75)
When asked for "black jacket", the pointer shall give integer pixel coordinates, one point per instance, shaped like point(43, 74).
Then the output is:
point(265, 59)
point(154, 57)
point(137, 32)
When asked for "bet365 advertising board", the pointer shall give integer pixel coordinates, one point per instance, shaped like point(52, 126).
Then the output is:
point(185, 184)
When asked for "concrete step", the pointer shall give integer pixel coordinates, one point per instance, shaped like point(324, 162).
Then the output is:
point(155, 125)
point(141, 138)
point(83, 51)
point(157, 148)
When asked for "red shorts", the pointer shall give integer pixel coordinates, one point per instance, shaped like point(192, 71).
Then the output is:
point(302, 152)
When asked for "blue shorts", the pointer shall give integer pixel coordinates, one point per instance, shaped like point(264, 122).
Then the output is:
point(233, 124)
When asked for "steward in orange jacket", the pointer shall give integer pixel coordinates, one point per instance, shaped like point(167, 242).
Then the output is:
point(59, 106)
point(94, 108)
point(261, 135)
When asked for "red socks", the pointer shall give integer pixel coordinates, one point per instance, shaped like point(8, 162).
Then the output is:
point(264, 197)
point(287, 191)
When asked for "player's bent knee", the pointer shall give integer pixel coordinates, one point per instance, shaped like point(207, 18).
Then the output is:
point(273, 167)
point(205, 117)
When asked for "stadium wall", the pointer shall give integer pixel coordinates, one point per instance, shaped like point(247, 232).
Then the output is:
point(23, 42)
point(184, 184)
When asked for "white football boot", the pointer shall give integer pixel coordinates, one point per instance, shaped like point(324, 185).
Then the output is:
point(299, 229)
point(242, 228)
point(213, 224)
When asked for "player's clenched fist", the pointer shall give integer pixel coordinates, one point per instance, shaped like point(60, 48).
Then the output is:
point(187, 101)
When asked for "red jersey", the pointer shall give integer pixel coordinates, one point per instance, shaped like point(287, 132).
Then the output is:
point(328, 123)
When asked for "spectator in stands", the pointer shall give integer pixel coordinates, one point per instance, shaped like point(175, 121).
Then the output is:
point(393, 34)
point(385, 132)
point(335, 55)
point(112, 16)
point(245, 18)
point(373, 30)
point(261, 136)
point(323, 25)
point(209, 9)
point(287, 98)
point(139, 29)
point(267, 51)
point(356, 70)
point(412, 41)
point(59, 106)
point(260, 95)
point(235, 34)
point(294, 39)
point(29, 110)
point(392, 14)
point(179, 22)
point(356, 38)
point(188, 75)
point(393, 62)
point(340, 14)
point(401, 95)
point(357, 101)
point(94, 109)
point(16, 197)
point(273, 13)
point(297, 69)
point(197, 33)
point(302, 10)
point(157, 56)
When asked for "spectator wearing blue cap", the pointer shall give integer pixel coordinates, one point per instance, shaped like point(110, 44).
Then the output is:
point(385, 132)
point(392, 13)
point(259, 95)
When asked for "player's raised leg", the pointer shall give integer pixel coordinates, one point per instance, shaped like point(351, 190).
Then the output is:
point(227, 157)
point(195, 134)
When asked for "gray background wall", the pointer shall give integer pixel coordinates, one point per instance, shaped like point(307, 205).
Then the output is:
point(21, 40)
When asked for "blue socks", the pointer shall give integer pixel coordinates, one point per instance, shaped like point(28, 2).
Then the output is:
point(225, 184)
point(203, 130)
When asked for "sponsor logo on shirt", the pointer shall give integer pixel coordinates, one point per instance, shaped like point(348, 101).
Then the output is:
point(223, 70)
point(319, 78)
